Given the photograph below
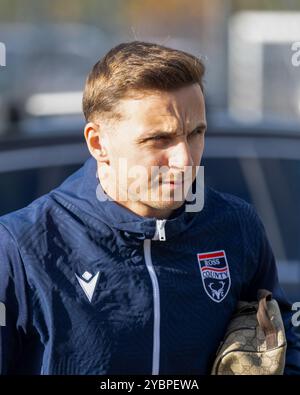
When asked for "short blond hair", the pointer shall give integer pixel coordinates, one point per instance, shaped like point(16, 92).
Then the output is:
point(135, 67)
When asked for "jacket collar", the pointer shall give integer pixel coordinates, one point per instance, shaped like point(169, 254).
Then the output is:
point(83, 191)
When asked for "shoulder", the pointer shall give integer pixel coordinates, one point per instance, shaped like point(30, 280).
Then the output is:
point(228, 204)
point(28, 221)
point(40, 216)
point(230, 214)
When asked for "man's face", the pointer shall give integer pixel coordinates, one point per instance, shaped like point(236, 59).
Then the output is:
point(158, 129)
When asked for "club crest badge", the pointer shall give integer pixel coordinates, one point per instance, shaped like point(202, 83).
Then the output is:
point(215, 274)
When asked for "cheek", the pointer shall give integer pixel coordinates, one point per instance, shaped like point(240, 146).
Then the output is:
point(123, 154)
point(157, 157)
point(136, 165)
point(197, 152)
point(154, 162)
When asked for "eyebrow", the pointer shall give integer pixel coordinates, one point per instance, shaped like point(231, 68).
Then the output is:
point(155, 134)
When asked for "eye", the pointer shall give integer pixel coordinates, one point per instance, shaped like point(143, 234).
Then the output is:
point(156, 138)
point(197, 132)
point(160, 138)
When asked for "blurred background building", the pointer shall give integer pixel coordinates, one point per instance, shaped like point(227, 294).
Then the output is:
point(247, 46)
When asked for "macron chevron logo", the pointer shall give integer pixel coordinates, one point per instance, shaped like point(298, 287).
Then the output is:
point(88, 283)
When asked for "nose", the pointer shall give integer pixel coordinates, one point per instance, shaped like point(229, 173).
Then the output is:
point(181, 156)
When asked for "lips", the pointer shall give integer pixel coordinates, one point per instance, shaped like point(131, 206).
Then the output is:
point(175, 182)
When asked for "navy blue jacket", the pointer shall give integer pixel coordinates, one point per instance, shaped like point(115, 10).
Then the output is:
point(92, 288)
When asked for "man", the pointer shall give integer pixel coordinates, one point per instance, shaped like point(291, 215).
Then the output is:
point(110, 273)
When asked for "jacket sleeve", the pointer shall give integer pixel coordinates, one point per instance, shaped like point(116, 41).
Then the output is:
point(13, 298)
point(265, 276)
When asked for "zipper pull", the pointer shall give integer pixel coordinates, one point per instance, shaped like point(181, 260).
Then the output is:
point(160, 229)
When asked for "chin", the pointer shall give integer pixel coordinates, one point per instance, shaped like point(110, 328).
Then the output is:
point(161, 205)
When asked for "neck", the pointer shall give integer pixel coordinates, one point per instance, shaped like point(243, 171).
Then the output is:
point(143, 210)
point(137, 207)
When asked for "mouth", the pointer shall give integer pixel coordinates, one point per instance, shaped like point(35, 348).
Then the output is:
point(176, 183)
point(173, 183)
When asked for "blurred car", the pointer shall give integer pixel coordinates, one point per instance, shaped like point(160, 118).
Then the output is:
point(259, 163)
point(46, 67)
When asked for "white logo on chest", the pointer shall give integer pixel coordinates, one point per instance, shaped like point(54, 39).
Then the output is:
point(88, 283)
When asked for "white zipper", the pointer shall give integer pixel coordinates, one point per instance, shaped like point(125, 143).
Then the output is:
point(159, 234)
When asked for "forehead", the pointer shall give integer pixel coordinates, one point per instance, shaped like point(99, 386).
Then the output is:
point(179, 109)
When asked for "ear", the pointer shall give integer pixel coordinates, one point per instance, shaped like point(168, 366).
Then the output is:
point(96, 142)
